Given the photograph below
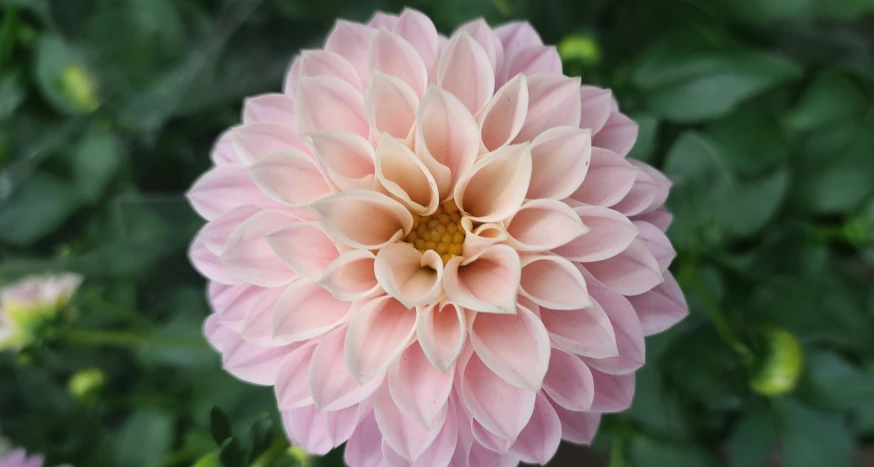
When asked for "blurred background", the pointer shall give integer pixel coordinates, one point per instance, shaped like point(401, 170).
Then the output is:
point(759, 110)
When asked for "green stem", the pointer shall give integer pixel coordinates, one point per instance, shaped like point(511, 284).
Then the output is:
point(97, 337)
point(617, 447)
point(272, 454)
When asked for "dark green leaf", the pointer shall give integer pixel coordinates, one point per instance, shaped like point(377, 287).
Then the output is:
point(752, 141)
point(144, 439)
point(36, 208)
point(755, 203)
point(814, 439)
point(753, 437)
point(837, 384)
point(12, 93)
point(62, 78)
point(832, 97)
point(647, 133)
point(261, 435)
point(648, 452)
point(219, 426)
point(232, 454)
point(95, 161)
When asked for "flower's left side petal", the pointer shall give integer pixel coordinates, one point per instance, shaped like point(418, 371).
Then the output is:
point(272, 108)
point(378, 333)
point(304, 247)
point(363, 219)
point(291, 178)
point(209, 264)
point(553, 282)
point(327, 103)
point(331, 385)
point(223, 189)
point(553, 100)
point(306, 310)
point(250, 258)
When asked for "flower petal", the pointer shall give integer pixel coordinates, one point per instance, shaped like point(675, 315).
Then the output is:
point(351, 40)
point(539, 440)
point(480, 32)
point(363, 219)
point(347, 158)
point(479, 238)
point(610, 178)
point(391, 106)
point(292, 75)
point(380, 19)
point(256, 140)
point(515, 37)
point(610, 234)
point(543, 224)
point(258, 325)
point(250, 258)
point(442, 331)
point(488, 439)
point(325, 64)
point(515, 347)
point(553, 282)
point(331, 385)
point(209, 265)
point(408, 438)
point(553, 100)
point(569, 381)
point(306, 310)
point(466, 71)
point(587, 331)
point(327, 103)
point(560, 161)
point(577, 427)
point(215, 234)
point(632, 272)
point(488, 397)
point(595, 106)
point(419, 389)
point(405, 177)
point(378, 333)
point(657, 243)
point(487, 282)
point(271, 108)
point(304, 247)
point(224, 188)
point(629, 334)
point(618, 134)
point(350, 277)
point(613, 393)
point(481, 456)
point(319, 432)
point(641, 196)
point(494, 188)
point(535, 60)
point(659, 217)
point(447, 138)
point(291, 386)
point(417, 29)
point(661, 307)
point(249, 362)
point(364, 448)
point(223, 152)
point(413, 278)
point(290, 178)
point(394, 56)
point(505, 113)
point(233, 303)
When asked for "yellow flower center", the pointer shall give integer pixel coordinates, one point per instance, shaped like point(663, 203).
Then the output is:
point(441, 231)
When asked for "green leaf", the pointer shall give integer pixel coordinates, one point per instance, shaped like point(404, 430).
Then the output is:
point(12, 94)
point(36, 208)
point(95, 160)
point(648, 452)
point(753, 437)
point(144, 439)
point(752, 141)
point(219, 425)
point(647, 133)
point(261, 436)
point(62, 77)
point(755, 203)
point(232, 454)
point(814, 439)
point(832, 97)
point(837, 384)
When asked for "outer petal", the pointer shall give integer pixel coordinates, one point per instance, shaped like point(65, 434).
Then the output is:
point(577, 427)
point(657, 243)
point(223, 189)
point(272, 108)
point(488, 439)
point(659, 217)
point(380, 19)
point(215, 234)
point(641, 196)
point(494, 188)
point(632, 272)
point(610, 178)
point(569, 381)
point(539, 440)
point(629, 334)
point(480, 32)
point(322, 63)
point(350, 277)
point(363, 219)
point(465, 70)
point(501, 408)
point(419, 31)
point(613, 393)
point(306, 310)
point(560, 161)
point(595, 106)
point(392, 55)
point(291, 386)
point(419, 389)
point(249, 362)
point(292, 75)
point(254, 141)
point(364, 448)
point(209, 264)
point(610, 234)
point(586, 332)
point(347, 158)
point(553, 282)
point(481, 456)
point(441, 330)
point(487, 282)
point(515, 347)
point(234, 303)
point(378, 334)
point(554, 100)
point(405, 177)
point(535, 60)
point(408, 438)
point(304, 247)
point(515, 37)
point(618, 134)
point(505, 113)
point(438, 454)
point(331, 385)
point(223, 152)
point(250, 258)
point(391, 106)
point(409, 276)
point(661, 307)
point(542, 225)
point(662, 183)
point(290, 177)
point(319, 432)
point(258, 325)
point(327, 103)
point(351, 40)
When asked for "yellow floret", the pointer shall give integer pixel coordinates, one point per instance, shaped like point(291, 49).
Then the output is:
point(441, 231)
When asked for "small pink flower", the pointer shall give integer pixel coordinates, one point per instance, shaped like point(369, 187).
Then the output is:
point(25, 304)
point(19, 458)
point(434, 248)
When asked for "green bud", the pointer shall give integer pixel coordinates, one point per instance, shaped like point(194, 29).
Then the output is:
point(79, 88)
point(781, 364)
point(209, 460)
point(579, 47)
point(300, 456)
point(86, 384)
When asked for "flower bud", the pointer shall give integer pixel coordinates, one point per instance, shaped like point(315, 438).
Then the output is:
point(79, 88)
point(26, 307)
point(85, 384)
point(579, 47)
point(300, 456)
point(780, 366)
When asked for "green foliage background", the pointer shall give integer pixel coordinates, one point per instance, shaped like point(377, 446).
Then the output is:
point(759, 110)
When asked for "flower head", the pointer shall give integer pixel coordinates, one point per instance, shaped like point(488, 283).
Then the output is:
point(19, 458)
point(434, 247)
point(26, 305)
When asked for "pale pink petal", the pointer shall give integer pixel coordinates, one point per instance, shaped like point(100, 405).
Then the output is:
point(391, 106)
point(413, 278)
point(326, 103)
point(535, 60)
point(322, 63)
point(232, 303)
point(208, 264)
point(613, 393)
point(553, 282)
point(466, 71)
point(378, 333)
point(577, 427)
point(291, 178)
point(610, 234)
point(250, 258)
point(441, 330)
point(661, 307)
point(595, 107)
point(247, 361)
point(569, 381)
point(347, 158)
point(500, 407)
point(331, 385)
point(487, 282)
point(304, 247)
point(642, 195)
point(481, 237)
point(419, 31)
point(441, 450)
point(494, 188)
point(515, 37)
point(256, 140)
point(419, 389)
point(618, 134)
point(405, 177)
point(662, 184)
point(291, 387)
point(610, 178)
point(481, 456)
point(659, 217)
point(542, 225)
point(560, 161)
point(350, 277)
point(271, 108)
point(657, 243)
point(587, 331)
point(629, 334)
point(306, 310)
point(224, 188)
point(380, 19)
point(487, 438)
point(505, 113)
point(364, 448)
point(351, 40)
point(515, 347)
point(363, 219)
point(290, 85)
point(214, 235)
point(408, 438)
point(632, 272)
point(258, 325)
point(223, 152)
point(480, 31)
point(394, 56)
point(447, 138)
point(553, 100)
point(539, 440)
point(319, 432)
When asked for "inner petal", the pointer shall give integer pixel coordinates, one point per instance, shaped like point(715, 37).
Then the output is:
point(440, 231)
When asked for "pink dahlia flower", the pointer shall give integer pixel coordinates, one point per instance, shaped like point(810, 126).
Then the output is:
point(435, 249)
point(19, 458)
